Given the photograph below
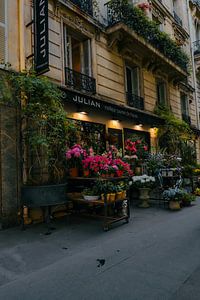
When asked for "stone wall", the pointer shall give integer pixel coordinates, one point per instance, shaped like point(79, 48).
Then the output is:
point(9, 166)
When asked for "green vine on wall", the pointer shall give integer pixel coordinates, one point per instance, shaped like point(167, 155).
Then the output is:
point(175, 136)
point(43, 124)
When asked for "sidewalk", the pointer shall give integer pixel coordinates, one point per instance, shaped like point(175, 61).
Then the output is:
point(155, 256)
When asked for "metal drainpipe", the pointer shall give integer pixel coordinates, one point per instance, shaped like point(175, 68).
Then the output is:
point(21, 35)
point(193, 64)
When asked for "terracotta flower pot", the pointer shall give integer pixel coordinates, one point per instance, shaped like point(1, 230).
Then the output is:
point(73, 172)
point(86, 173)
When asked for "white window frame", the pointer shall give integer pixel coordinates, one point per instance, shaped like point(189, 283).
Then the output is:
point(138, 76)
point(68, 64)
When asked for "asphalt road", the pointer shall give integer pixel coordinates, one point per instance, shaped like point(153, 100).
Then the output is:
point(156, 256)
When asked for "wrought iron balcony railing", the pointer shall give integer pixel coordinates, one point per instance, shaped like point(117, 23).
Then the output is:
point(135, 101)
point(186, 118)
point(196, 47)
point(178, 19)
point(197, 2)
point(80, 81)
point(85, 5)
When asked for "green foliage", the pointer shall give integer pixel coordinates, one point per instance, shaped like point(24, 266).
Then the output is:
point(134, 18)
point(44, 126)
point(188, 197)
point(93, 191)
point(175, 136)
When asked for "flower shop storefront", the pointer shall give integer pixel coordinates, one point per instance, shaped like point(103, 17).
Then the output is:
point(106, 146)
point(102, 123)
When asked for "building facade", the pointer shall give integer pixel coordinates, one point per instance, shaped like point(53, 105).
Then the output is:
point(113, 73)
point(109, 72)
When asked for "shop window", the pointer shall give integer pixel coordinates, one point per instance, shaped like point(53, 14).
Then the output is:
point(133, 87)
point(115, 138)
point(185, 108)
point(143, 135)
point(2, 32)
point(89, 134)
point(77, 54)
point(161, 92)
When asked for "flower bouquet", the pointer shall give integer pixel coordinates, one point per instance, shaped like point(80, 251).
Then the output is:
point(143, 181)
point(74, 158)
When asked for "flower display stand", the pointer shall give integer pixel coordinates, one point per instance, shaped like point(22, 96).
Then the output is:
point(107, 206)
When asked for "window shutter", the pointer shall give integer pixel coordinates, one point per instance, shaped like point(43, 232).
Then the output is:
point(2, 31)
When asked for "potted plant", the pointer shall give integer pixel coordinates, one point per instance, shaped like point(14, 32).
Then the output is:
point(44, 134)
point(74, 157)
point(174, 196)
point(154, 163)
point(135, 151)
point(187, 198)
point(90, 194)
point(143, 183)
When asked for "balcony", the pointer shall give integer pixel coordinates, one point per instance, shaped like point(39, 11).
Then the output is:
point(85, 5)
point(79, 81)
point(135, 101)
point(178, 19)
point(186, 118)
point(132, 33)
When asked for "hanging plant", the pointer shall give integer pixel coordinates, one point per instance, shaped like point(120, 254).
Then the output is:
point(44, 126)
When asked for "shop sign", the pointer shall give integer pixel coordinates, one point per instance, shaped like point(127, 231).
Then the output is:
point(41, 36)
point(81, 100)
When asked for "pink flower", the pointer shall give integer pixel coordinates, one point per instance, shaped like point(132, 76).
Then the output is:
point(77, 154)
point(68, 155)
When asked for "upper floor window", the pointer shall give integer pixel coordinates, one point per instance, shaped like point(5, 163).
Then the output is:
point(2, 32)
point(77, 52)
point(133, 92)
point(176, 12)
point(185, 107)
point(132, 80)
point(161, 92)
point(77, 55)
